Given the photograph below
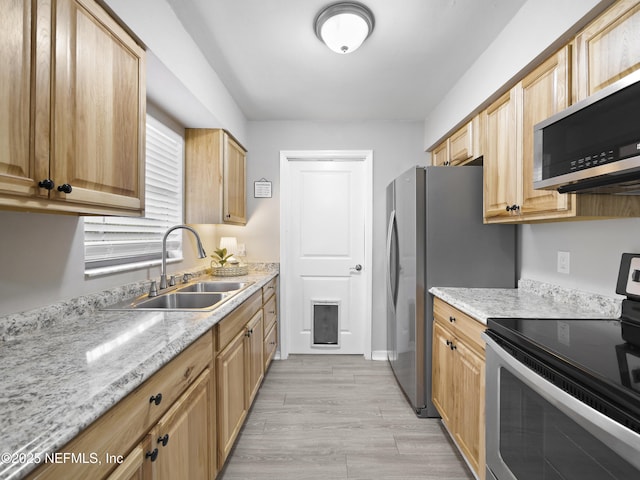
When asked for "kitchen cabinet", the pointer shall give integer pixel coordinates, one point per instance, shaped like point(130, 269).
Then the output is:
point(72, 139)
point(215, 177)
point(159, 405)
point(132, 466)
point(239, 369)
point(270, 309)
point(462, 146)
point(508, 163)
point(508, 160)
point(607, 49)
point(184, 436)
point(458, 381)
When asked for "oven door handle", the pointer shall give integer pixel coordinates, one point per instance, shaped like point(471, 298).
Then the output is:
point(620, 439)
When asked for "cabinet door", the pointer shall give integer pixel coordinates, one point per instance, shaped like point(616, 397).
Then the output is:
point(461, 145)
point(135, 466)
point(234, 183)
point(17, 174)
point(542, 93)
point(442, 375)
point(469, 397)
point(440, 154)
point(607, 49)
point(255, 356)
point(98, 102)
point(500, 159)
point(184, 436)
point(231, 394)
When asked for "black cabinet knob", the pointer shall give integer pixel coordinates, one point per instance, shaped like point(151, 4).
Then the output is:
point(152, 455)
point(65, 188)
point(47, 184)
point(156, 399)
point(164, 440)
point(452, 319)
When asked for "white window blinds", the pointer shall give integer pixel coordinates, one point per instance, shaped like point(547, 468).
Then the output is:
point(123, 243)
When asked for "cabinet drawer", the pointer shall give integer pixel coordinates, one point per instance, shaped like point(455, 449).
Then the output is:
point(269, 289)
point(460, 324)
point(231, 325)
point(270, 344)
point(123, 426)
point(270, 313)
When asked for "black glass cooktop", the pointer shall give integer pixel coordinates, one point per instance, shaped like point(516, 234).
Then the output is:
point(591, 353)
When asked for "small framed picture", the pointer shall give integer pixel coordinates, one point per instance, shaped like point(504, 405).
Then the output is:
point(262, 188)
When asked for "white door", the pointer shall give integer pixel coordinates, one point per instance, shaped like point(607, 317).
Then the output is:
point(325, 275)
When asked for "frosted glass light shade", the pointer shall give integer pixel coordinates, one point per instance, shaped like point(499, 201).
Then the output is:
point(344, 26)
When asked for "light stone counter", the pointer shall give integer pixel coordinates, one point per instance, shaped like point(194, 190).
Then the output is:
point(62, 373)
point(530, 300)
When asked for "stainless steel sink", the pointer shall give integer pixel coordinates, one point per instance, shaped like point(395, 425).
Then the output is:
point(214, 286)
point(197, 296)
point(183, 301)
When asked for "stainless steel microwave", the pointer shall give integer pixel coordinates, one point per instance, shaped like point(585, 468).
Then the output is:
point(594, 145)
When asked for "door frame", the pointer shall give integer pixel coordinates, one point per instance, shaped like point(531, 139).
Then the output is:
point(287, 156)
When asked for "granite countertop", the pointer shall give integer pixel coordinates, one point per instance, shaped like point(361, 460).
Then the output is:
point(530, 300)
point(57, 379)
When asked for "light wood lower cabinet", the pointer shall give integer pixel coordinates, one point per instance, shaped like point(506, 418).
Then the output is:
point(239, 368)
point(459, 381)
point(184, 437)
point(270, 309)
point(114, 436)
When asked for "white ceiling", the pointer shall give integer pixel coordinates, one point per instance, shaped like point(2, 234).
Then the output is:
point(267, 55)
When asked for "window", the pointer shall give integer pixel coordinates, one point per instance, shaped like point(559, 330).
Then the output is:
point(113, 244)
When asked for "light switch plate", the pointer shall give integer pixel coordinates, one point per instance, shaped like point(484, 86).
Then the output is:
point(564, 261)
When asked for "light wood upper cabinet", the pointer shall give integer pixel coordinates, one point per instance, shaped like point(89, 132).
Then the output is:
point(607, 49)
point(98, 109)
point(215, 177)
point(440, 154)
point(462, 146)
point(500, 161)
point(17, 174)
point(72, 139)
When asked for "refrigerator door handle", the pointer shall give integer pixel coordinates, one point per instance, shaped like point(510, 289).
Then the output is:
point(392, 253)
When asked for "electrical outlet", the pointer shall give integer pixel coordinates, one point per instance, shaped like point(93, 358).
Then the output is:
point(564, 260)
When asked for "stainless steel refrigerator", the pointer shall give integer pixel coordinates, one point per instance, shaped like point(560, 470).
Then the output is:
point(435, 237)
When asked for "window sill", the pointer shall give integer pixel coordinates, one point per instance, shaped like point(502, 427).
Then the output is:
point(127, 267)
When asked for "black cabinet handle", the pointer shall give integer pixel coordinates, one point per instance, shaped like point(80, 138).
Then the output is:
point(164, 440)
point(452, 346)
point(452, 319)
point(513, 208)
point(47, 184)
point(65, 188)
point(156, 399)
point(152, 455)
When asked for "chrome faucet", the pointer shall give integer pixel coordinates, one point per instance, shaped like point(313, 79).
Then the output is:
point(201, 252)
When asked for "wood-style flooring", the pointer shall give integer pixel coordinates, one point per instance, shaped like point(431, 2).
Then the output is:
point(339, 417)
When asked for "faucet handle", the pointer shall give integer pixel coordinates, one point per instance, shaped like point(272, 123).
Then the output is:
point(153, 289)
point(186, 277)
point(172, 281)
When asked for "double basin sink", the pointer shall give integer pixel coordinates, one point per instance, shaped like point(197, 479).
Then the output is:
point(198, 296)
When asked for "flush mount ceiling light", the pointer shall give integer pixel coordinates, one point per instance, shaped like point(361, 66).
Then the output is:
point(344, 26)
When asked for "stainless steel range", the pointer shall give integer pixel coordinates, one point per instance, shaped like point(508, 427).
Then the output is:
point(563, 396)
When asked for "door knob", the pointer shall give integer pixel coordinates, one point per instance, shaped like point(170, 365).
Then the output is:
point(357, 268)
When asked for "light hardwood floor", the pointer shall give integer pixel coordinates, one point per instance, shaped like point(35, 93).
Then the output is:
point(339, 417)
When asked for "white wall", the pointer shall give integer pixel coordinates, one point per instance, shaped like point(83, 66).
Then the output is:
point(396, 147)
point(595, 249)
point(536, 26)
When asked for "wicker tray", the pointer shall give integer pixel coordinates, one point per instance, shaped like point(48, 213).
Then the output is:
point(230, 271)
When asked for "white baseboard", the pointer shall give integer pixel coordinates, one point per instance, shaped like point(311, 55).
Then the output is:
point(379, 355)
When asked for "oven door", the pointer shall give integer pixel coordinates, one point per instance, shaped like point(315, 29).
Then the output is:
point(536, 431)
